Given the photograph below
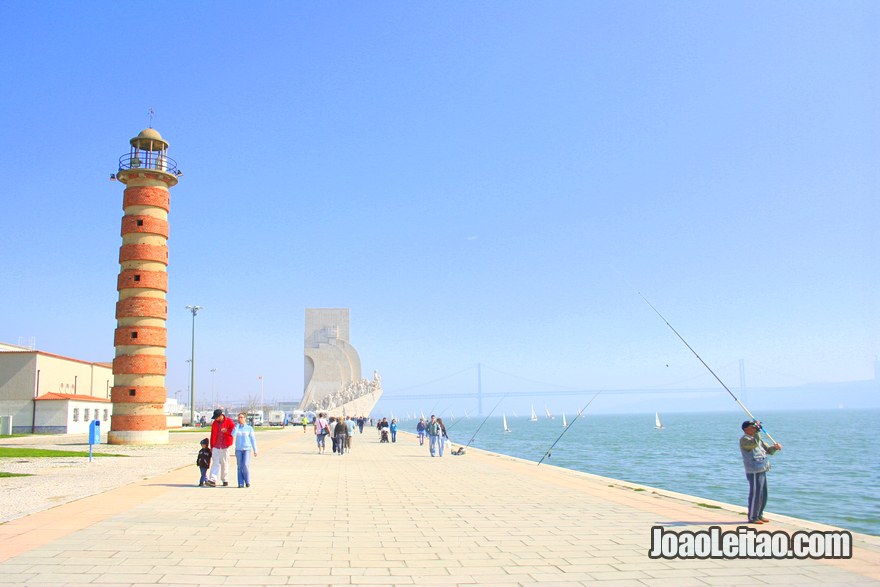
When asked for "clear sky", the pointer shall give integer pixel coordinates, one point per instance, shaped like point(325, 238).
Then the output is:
point(479, 182)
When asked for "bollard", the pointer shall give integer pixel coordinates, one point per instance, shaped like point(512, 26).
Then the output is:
point(94, 435)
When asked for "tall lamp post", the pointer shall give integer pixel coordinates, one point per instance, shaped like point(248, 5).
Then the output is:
point(213, 397)
point(192, 367)
point(261, 394)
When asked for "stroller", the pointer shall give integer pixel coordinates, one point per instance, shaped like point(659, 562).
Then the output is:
point(384, 435)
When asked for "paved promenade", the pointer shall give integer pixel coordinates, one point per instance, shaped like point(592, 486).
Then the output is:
point(388, 514)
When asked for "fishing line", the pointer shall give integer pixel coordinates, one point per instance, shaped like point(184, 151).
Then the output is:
point(745, 409)
point(566, 429)
point(484, 421)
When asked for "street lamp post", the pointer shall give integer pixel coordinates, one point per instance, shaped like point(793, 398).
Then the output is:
point(261, 395)
point(213, 397)
point(192, 367)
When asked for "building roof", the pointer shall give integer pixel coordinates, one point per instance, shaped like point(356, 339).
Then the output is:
point(25, 351)
point(67, 396)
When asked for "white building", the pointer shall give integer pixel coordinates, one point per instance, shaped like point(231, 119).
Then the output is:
point(51, 394)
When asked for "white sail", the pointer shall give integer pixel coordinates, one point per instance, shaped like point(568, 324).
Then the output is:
point(504, 417)
point(534, 417)
point(657, 423)
point(564, 423)
point(549, 415)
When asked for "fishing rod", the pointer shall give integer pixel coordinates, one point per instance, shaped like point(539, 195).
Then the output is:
point(484, 421)
point(739, 403)
point(566, 429)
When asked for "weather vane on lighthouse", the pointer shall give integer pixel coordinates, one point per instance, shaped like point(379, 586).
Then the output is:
point(152, 113)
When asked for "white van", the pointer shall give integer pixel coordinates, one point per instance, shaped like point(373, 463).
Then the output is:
point(255, 417)
point(277, 418)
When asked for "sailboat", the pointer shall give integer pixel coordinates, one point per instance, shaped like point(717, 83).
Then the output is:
point(564, 423)
point(657, 424)
point(504, 418)
point(534, 417)
point(549, 415)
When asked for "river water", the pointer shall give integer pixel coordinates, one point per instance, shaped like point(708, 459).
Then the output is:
point(827, 471)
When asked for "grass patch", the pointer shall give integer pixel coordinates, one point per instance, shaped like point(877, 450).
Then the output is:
point(638, 489)
point(15, 452)
point(4, 474)
point(711, 507)
point(207, 429)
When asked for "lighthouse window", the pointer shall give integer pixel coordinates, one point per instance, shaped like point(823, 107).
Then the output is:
point(140, 222)
point(134, 334)
point(137, 277)
point(131, 392)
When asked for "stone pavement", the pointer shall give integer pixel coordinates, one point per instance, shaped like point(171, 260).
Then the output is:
point(389, 514)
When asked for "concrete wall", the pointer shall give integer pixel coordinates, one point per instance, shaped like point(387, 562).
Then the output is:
point(23, 371)
point(62, 375)
point(17, 374)
point(69, 416)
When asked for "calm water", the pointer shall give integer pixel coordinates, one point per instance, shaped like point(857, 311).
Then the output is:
point(826, 472)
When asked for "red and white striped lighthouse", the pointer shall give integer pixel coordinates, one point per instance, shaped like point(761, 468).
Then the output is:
point(140, 363)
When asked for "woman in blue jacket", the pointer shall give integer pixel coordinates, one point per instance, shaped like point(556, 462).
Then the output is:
point(393, 430)
point(245, 444)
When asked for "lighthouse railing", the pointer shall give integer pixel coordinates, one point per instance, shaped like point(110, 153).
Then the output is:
point(148, 160)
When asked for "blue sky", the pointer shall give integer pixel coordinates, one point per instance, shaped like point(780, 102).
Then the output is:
point(480, 182)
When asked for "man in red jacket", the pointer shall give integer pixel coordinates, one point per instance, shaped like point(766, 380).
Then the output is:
point(221, 440)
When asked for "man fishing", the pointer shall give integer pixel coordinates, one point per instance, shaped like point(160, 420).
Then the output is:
point(755, 458)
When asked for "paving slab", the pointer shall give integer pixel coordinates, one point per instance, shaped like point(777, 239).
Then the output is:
point(390, 514)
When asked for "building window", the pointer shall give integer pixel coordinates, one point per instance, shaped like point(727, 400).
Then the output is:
point(105, 415)
point(86, 415)
point(76, 414)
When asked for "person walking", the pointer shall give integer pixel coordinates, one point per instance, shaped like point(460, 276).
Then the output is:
point(393, 428)
point(421, 429)
point(332, 427)
point(755, 458)
point(245, 444)
point(340, 432)
point(321, 431)
point(441, 436)
point(350, 426)
point(221, 440)
point(433, 430)
point(203, 460)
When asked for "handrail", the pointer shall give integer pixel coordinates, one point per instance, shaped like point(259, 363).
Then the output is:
point(148, 160)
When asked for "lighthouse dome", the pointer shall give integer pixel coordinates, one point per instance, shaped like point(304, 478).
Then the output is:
point(149, 139)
